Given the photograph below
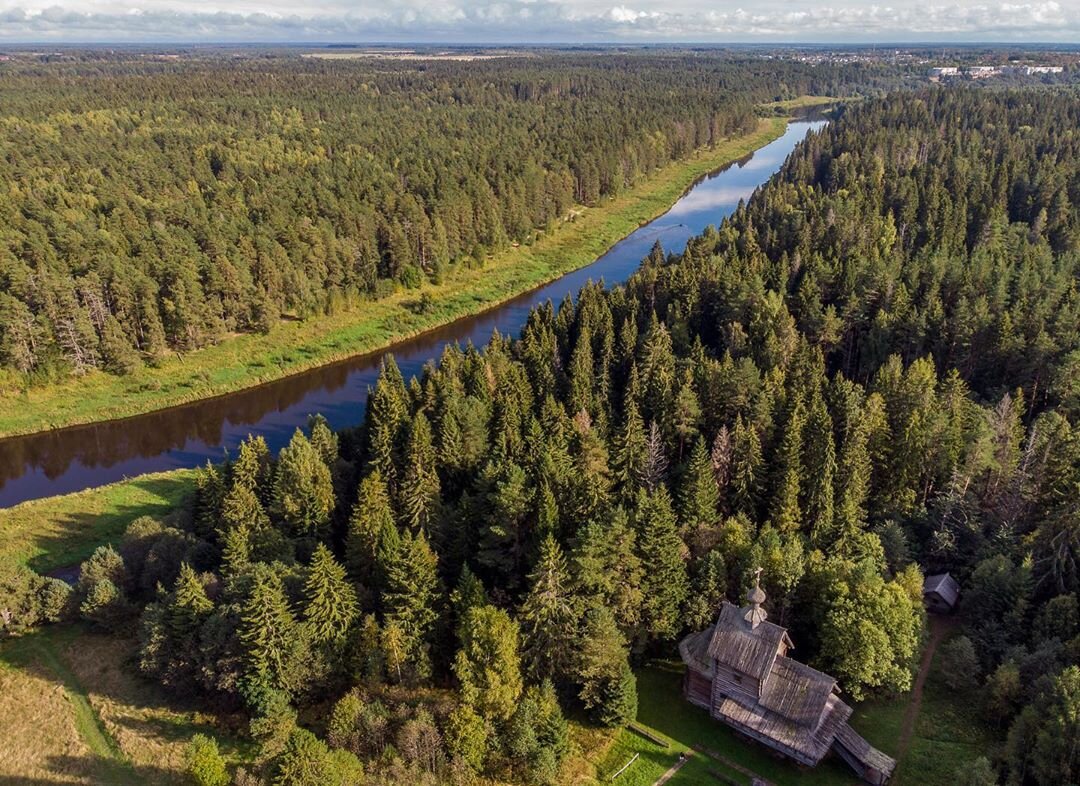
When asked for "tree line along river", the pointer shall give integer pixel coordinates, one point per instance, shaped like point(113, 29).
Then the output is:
point(81, 457)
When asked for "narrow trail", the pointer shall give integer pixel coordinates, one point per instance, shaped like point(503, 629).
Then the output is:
point(939, 627)
point(673, 769)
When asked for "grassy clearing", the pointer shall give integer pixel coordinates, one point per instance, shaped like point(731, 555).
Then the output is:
point(949, 734)
point(663, 711)
point(946, 738)
point(72, 711)
point(294, 346)
point(802, 102)
point(56, 532)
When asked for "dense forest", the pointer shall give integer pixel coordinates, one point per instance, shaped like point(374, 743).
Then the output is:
point(151, 207)
point(867, 372)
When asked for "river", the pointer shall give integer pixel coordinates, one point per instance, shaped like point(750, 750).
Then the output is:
point(81, 457)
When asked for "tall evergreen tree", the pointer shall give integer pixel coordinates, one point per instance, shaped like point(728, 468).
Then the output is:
point(331, 606)
point(548, 617)
point(303, 492)
point(411, 596)
point(664, 584)
point(371, 518)
point(267, 629)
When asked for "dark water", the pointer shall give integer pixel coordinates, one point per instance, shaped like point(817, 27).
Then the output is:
point(71, 459)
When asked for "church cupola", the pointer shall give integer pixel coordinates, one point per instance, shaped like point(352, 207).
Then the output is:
point(754, 614)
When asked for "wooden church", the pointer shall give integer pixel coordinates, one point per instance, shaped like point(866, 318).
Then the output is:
point(739, 671)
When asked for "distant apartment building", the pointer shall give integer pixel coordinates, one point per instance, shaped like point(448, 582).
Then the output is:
point(944, 72)
point(1031, 70)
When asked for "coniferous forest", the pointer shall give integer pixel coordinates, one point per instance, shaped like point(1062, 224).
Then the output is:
point(160, 207)
point(868, 373)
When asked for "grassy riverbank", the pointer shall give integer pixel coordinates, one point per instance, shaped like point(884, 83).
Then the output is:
point(295, 346)
point(58, 532)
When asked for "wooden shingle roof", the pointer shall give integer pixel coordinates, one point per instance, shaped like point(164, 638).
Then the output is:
point(748, 650)
point(796, 691)
point(944, 586)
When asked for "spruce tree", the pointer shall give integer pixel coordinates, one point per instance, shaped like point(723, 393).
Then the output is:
point(331, 607)
point(419, 491)
point(785, 513)
point(698, 495)
point(606, 568)
point(253, 468)
point(663, 553)
point(303, 492)
point(630, 451)
point(241, 509)
point(488, 665)
point(602, 667)
point(746, 468)
point(411, 596)
point(387, 417)
point(721, 459)
point(323, 440)
point(820, 472)
point(547, 616)
point(371, 517)
point(188, 606)
point(267, 629)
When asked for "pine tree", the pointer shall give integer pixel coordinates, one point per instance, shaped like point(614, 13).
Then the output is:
point(303, 492)
point(331, 607)
point(547, 616)
point(664, 583)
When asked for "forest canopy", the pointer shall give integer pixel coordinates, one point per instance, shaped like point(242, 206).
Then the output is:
point(867, 372)
point(150, 207)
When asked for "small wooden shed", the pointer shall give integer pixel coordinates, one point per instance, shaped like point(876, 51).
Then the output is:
point(940, 593)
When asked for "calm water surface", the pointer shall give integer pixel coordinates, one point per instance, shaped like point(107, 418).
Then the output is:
point(66, 460)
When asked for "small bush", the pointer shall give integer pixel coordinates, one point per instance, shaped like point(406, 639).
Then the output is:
point(205, 764)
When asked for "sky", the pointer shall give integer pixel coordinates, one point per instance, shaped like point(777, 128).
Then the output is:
point(540, 21)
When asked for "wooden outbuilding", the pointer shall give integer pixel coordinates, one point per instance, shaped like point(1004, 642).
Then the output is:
point(738, 670)
point(940, 593)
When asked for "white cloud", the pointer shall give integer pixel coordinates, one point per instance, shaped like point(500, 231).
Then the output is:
point(538, 20)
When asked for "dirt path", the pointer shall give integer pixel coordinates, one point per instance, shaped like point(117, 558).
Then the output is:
point(939, 626)
point(673, 769)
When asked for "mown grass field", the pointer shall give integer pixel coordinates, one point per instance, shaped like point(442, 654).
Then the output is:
point(294, 346)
